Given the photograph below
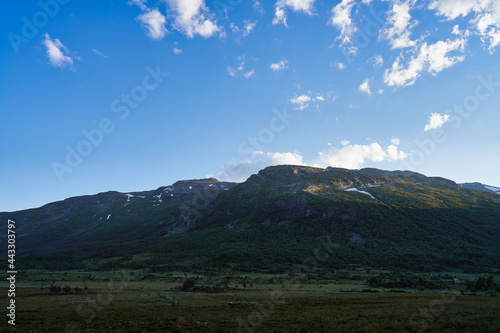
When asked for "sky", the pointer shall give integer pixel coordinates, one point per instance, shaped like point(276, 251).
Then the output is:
point(134, 95)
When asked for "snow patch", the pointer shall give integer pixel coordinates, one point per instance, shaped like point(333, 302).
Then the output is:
point(492, 188)
point(362, 192)
point(190, 187)
point(108, 217)
point(129, 196)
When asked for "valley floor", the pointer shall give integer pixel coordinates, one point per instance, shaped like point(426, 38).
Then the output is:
point(121, 304)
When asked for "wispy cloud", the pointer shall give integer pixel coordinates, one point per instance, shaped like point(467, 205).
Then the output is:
point(341, 19)
point(248, 27)
point(99, 53)
point(58, 54)
point(431, 58)
point(249, 74)
point(281, 6)
point(399, 24)
point(177, 51)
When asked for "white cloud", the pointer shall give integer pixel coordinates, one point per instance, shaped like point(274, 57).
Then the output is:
point(378, 61)
point(380, 91)
point(280, 16)
point(349, 156)
point(431, 58)
point(234, 27)
point(301, 101)
point(154, 22)
point(354, 156)
point(365, 87)
point(341, 19)
point(249, 74)
point(395, 141)
point(258, 7)
point(455, 8)
point(436, 120)
point(234, 72)
point(486, 18)
point(399, 24)
point(58, 53)
point(248, 28)
point(231, 71)
point(139, 3)
point(177, 51)
point(339, 65)
point(320, 98)
point(258, 160)
point(192, 17)
point(99, 53)
point(280, 65)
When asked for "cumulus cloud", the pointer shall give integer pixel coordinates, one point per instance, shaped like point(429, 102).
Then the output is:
point(281, 6)
point(354, 156)
point(348, 156)
point(192, 17)
point(365, 87)
point(341, 19)
point(280, 65)
point(154, 22)
point(301, 101)
point(436, 120)
point(431, 58)
point(177, 51)
point(486, 20)
point(399, 24)
point(58, 53)
point(455, 8)
point(240, 170)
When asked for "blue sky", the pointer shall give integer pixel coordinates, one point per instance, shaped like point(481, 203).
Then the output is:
point(128, 96)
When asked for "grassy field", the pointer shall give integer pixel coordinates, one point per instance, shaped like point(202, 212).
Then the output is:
point(130, 302)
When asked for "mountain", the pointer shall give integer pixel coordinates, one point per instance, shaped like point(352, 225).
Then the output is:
point(481, 187)
point(272, 221)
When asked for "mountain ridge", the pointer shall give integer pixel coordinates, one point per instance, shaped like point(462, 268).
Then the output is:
point(381, 218)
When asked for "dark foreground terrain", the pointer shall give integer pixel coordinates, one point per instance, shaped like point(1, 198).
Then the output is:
point(131, 302)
